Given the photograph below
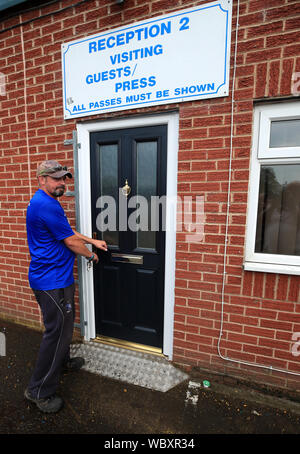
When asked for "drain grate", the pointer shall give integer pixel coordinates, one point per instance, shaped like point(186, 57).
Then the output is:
point(132, 367)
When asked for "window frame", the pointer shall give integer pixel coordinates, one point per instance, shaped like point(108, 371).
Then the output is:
point(261, 155)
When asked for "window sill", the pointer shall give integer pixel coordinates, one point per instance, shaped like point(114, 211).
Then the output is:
point(271, 268)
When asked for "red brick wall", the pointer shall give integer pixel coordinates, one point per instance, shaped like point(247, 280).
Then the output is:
point(261, 310)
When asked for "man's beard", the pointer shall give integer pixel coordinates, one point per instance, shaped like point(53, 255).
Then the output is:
point(58, 192)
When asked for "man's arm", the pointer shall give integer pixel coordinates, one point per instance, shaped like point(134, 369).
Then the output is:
point(99, 244)
point(76, 245)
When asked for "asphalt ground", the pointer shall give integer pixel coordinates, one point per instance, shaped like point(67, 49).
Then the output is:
point(116, 410)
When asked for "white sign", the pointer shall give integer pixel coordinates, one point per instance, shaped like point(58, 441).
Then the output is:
point(167, 59)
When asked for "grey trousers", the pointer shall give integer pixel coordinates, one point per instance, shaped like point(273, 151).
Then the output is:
point(58, 315)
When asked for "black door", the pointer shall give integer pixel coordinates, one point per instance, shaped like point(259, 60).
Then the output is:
point(128, 170)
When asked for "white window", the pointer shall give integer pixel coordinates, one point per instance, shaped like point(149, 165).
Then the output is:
point(273, 220)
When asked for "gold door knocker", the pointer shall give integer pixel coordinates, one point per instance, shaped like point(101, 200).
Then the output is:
point(126, 189)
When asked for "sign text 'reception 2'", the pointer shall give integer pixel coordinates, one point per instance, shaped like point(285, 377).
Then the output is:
point(173, 58)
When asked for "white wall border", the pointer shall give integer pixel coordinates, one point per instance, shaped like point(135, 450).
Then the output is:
point(84, 130)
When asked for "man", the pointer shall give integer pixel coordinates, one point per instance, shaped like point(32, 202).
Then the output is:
point(53, 246)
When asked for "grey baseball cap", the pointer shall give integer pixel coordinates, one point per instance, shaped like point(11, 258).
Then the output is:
point(53, 169)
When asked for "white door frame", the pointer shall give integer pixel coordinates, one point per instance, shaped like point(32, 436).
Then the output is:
point(83, 131)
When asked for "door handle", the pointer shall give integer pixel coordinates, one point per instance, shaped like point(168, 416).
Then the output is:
point(126, 189)
point(127, 258)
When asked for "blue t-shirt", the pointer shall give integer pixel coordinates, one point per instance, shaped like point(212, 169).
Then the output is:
point(52, 262)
